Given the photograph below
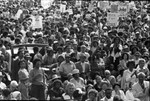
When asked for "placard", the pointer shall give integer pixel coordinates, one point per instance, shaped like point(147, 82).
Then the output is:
point(114, 8)
point(17, 16)
point(62, 8)
point(112, 19)
point(122, 10)
point(37, 22)
point(103, 5)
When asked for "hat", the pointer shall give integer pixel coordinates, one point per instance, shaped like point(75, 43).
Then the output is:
point(83, 46)
point(13, 84)
point(27, 55)
point(1, 75)
point(55, 76)
point(104, 82)
point(93, 91)
point(75, 71)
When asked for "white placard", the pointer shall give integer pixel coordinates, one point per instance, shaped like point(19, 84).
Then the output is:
point(122, 10)
point(103, 5)
point(62, 8)
point(37, 22)
point(112, 19)
point(46, 3)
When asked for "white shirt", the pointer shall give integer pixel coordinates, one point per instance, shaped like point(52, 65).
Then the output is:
point(2, 85)
point(83, 66)
point(106, 99)
point(130, 97)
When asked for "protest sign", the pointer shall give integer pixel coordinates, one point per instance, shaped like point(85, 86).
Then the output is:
point(37, 22)
point(103, 5)
point(114, 8)
point(122, 10)
point(62, 8)
point(46, 3)
point(112, 19)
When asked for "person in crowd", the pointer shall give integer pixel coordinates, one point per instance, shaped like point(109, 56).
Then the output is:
point(56, 91)
point(38, 80)
point(139, 88)
point(118, 91)
point(108, 95)
point(98, 80)
point(6, 94)
point(142, 67)
point(77, 80)
point(2, 85)
point(27, 57)
point(66, 67)
point(69, 90)
point(15, 68)
point(49, 57)
point(104, 86)
point(92, 95)
point(78, 94)
point(15, 94)
point(129, 94)
point(129, 75)
point(83, 66)
point(23, 85)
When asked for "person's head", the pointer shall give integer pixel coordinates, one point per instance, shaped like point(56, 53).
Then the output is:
point(98, 79)
point(68, 48)
point(21, 53)
point(141, 63)
point(131, 64)
point(88, 87)
point(137, 54)
point(82, 57)
point(104, 85)
point(112, 80)
point(107, 74)
point(92, 94)
point(50, 51)
point(37, 63)
point(67, 57)
point(116, 86)
point(108, 92)
point(35, 49)
point(13, 85)
point(70, 88)
point(77, 94)
point(141, 77)
point(27, 56)
point(22, 64)
point(125, 56)
point(60, 58)
point(75, 73)
point(59, 49)
point(57, 83)
point(6, 94)
point(83, 48)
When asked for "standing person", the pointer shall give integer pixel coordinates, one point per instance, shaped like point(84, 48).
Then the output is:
point(139, 88)
point(29, 63)
point(37, 79)
point(66, 67)
point(15, 68)
point(23, 79)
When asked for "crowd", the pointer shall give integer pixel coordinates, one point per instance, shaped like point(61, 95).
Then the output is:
point(87, 59)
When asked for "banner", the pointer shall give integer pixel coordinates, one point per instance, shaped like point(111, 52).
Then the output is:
point(112, 19)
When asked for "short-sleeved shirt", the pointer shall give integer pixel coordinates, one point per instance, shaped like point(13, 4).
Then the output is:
point(67, 68)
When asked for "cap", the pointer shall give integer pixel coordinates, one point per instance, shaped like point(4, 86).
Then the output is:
point(27, 55)
point(13, 84)
point(75, 71)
